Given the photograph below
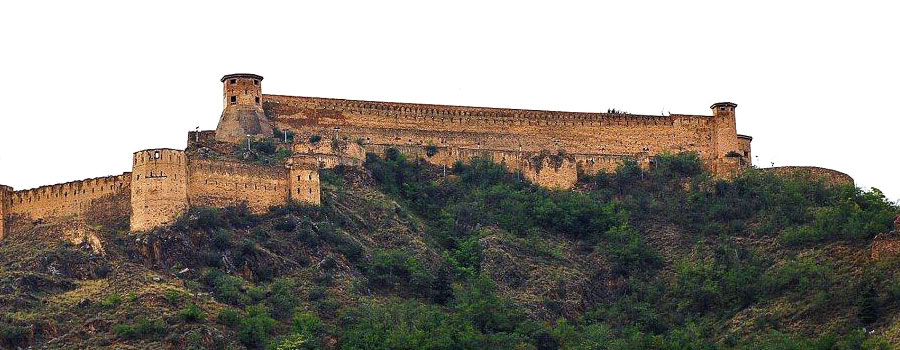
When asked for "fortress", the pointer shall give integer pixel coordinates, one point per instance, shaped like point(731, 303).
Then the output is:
point(548, 148)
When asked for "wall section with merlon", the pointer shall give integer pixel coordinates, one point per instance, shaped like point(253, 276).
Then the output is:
point(219, 183)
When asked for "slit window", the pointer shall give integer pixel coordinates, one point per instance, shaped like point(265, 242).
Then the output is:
point(233, 99)
point(257, 99)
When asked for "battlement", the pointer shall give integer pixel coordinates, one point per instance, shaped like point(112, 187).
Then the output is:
point(472, 115)
point(550, 148)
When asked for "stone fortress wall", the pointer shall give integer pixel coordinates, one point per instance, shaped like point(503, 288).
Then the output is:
point(590, 142)
point(548, 148)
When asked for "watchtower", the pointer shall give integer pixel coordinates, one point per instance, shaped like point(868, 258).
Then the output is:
point(725, 140)
point(158, 188)
point(242, 112)
point(5, 202)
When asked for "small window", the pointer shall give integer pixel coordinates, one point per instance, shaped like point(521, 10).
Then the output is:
point(257, 99)
point(233, 81)
point(310, 176)
point(233, 99)
point(255, 82)
point(156, 155)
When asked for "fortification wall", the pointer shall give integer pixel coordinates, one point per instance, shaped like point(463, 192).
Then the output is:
point(829, 176)
point(550, 170)
point(304, 180)
point(70, 199)
point(159, 188)
point(219, 183)
point(499, 129)
point(5, 192)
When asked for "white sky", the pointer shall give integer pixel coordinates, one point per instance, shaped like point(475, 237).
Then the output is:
point(87, 83)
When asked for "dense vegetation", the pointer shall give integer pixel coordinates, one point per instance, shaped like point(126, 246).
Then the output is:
point(402, 257)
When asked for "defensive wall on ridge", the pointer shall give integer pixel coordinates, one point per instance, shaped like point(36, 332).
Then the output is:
point(828, 176)
point(596, 141)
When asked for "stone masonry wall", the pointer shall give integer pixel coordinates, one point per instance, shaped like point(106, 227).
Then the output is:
point(67, 199)
point(492, 128)
point(218, 183)
point(829, 176)
point(159, 188)
point(596, 141)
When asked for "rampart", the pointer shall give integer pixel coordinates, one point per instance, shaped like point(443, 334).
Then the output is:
point(597, 141)
point(70, 199)
point(219, 183)
point(828, 176)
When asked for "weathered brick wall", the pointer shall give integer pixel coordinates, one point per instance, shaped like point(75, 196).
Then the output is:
point(67, 199)
point(219, 183)
point(158, 188)
point(829, 176)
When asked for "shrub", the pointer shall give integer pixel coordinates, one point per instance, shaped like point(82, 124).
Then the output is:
point(283, 297)
point(191, 314)
point(221, 239)
point(229, 317)
point(255, 330)
point(294, 342)
point(265, 147)
point(111, 301)
point(172, 297)
point(12, 336)
point(142, 329)
point(285, 224)
point(401, 271)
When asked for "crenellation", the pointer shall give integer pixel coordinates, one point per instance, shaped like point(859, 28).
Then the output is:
point(550, 148)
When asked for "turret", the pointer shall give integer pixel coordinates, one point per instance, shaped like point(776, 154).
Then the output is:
point(242, 112)
point(158, 188)
point(304, 180)
point(723, 109)
point(725, 141)
point(5, 202)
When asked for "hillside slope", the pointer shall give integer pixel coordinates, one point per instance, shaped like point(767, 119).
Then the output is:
point(401, 257)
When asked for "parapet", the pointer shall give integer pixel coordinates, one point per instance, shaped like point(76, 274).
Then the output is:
point(829, 176)
point(241, 75)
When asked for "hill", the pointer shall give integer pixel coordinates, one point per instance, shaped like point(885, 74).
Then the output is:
point(402, 256)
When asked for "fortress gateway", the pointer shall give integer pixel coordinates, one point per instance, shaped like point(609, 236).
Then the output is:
point(548, 148)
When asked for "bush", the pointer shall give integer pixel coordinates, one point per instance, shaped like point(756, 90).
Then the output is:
point(172, 297)
point(229, 317)
point(265, 147)
point(191, 314)
point(285, 224)
point(283, 297)
point(400, 271)
point(255, 330)
point(13, 336)
point(111, 301)
point(141, 330)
